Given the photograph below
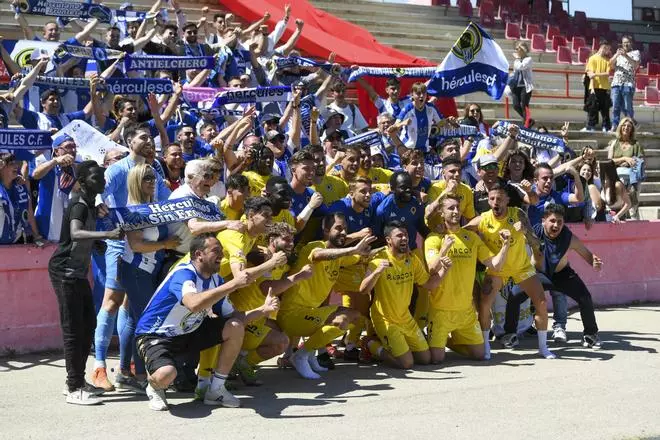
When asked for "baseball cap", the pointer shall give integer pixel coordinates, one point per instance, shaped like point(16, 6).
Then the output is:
point(58, 141)
point(274, 134)
point(268, 117)
point(486, 160)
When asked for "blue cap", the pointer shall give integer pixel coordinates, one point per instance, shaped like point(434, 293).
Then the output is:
point(58, 141)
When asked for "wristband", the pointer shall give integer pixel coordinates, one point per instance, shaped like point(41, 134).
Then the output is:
point(306, 213)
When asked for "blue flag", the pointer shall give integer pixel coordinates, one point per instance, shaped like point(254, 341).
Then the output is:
point(475, 63)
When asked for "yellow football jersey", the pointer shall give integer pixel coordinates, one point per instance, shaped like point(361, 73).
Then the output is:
point(463, 192)
point(230, 214)
point(518, 258)
point(235, 247)
point(257, 182)
point(250, 297)
point(313, 291)
point(455, 289)
point(332, 188)
point(394, 287)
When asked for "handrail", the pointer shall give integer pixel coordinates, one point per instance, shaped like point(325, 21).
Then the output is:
point(567, 90)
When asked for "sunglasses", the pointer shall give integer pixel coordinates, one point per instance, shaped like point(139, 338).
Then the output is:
point(149, 178)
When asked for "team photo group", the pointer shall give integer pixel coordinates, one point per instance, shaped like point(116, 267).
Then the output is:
point(219, 200)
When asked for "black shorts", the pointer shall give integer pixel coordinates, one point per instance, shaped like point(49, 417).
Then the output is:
point(159, 351)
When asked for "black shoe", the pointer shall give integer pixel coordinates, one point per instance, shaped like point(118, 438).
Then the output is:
point(531, 331)
point(325, 361)
point(352, 355)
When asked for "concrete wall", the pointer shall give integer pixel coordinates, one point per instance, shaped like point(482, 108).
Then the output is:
point(29, 318)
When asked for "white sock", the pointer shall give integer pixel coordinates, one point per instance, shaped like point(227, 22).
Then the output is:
point(543, 344)
point(486, 334)
point(99, 364)
point(217, 382)
point(350, 346)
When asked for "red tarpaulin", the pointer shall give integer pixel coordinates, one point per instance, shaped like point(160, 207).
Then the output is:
point(324, 33)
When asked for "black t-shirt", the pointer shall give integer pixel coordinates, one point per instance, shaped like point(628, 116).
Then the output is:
point(481, 199)
point(71, 259)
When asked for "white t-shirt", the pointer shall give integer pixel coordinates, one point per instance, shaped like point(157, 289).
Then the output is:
point(357, 124)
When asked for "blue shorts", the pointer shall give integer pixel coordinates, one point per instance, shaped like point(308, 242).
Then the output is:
point(113, 256)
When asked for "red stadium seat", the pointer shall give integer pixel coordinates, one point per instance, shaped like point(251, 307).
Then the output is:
point(551, 32)
point(653, 68)
point(486, 19)
point(531, 30)
point(487, 7)
point(512, 31)
point(583, 55)
point(577, 43)
point(644, 81)
point(557, 42)
point(538, 43)
point(564, 55)
point(651, 96)
point(465, 8)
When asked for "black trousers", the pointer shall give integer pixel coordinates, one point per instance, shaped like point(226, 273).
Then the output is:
point(567, 282)
point(602, 107)
point(78, 321)
point(520, 100)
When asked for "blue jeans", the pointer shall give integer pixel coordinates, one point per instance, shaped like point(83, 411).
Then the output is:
point(140, 286)
point(622, 100)
point(559, 309)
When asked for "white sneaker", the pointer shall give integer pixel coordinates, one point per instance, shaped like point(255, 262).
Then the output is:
point(157, 400)
point(314, 363)
point(222, 397)
point(547, 354)
point(585, 129)
point(510, 340)
point(82, 397)
point(559, 335)
point(591, 341)
point(91, 389)
point(301, 364)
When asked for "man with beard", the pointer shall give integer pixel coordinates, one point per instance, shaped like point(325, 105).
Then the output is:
point(236, 245)
point(263, 338)
point(556, 241)
point(178, 320)
point(451, 306)
point(332, 188)
point(379, 176)
point(349, 160)
point(392, 274)
point(261, 168)
point(304, 200)
point(173, 165)
point(302, 313)
point(451, 184)
point(192, 149)
point(517, 266)
point(358, 208)
point(488, 170)
point(280, 193)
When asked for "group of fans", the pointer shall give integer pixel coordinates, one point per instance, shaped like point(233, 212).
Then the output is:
point(417, 232)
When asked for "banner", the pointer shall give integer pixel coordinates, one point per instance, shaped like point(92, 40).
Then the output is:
point(91, 144)
point(288, 62)
point(63, 82)
point(91, 52)
point(135, 217)
point(139, 86)
point(167, 63)
point(258, 94)
point(451, 132)
point(199, 94)
point(65, 9)
point(22, 142)
point(370, 138)
point(397, 72)
point(475, 63)
point(543, 141)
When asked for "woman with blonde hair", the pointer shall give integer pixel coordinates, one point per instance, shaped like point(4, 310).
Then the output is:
point(141, 261)
point(628, 156)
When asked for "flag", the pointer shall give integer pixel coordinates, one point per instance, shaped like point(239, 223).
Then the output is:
point(475, 63)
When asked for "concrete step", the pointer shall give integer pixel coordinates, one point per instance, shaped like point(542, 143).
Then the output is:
point(648, 199)
point(382, 7)
point(649, 212)
point(650, 187)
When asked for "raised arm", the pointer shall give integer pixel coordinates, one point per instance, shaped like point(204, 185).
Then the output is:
point(363, 247)
point(83, 35)
point(586, 254)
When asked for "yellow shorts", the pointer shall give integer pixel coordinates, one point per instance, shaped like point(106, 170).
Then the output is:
point(255, 333)
point(518, 277)
point(350, 278)
point(398, 339)
point(461, 324)
point(305, 320)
